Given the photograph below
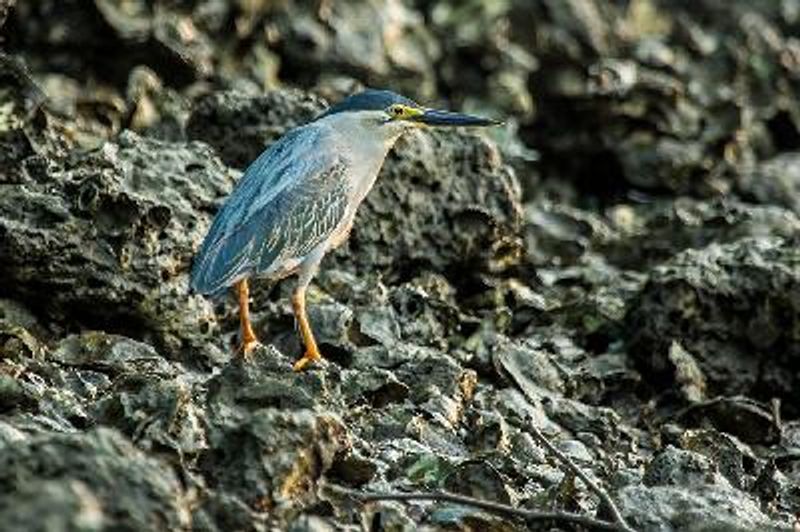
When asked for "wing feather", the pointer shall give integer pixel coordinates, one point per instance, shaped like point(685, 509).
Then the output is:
point(287, 202)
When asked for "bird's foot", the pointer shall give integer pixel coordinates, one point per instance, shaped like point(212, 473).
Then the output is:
point(247, 347)
point(310, 357)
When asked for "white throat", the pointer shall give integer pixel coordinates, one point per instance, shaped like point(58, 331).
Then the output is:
point(364, 142)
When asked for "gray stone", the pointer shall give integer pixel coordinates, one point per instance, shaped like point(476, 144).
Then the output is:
point(108, 240)
point(705, 509)
point(92, 481)
point(676, 467)
point(733, 307)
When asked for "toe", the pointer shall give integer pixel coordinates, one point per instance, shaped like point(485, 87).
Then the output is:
point(247, 348)
point(301, 364)
point(307, 360)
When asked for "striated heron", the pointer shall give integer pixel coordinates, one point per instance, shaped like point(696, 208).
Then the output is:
point(298, 200)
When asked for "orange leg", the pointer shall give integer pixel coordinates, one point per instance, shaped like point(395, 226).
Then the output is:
point(248, 337)
point(312, 352)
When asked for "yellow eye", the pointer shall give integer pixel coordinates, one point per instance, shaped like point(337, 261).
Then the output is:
point(397, 111)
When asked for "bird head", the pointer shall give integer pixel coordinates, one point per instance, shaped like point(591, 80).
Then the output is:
point(391, 113)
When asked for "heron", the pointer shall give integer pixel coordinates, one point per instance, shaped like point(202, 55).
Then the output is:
point(298, 200)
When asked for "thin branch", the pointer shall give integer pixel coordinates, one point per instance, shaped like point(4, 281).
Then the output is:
point(493, 507)
point(621, 524)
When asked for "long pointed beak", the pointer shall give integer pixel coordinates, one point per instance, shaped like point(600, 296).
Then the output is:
point(435, 117)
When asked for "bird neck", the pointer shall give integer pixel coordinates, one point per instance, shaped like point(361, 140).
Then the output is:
point(366, 161)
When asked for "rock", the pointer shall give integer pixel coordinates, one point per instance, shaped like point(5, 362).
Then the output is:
point(157, 415)
point(687, 373)
point(107, 241)
point(377, 387)
point(115, 356)
point(676, 467)
point(482, 66)
point(558, 232)
point(218, 512)
point(643, 116)
point(488, 432)
point(478, 479)
point(98, 379)
point(372, 40)
point(92, 481)
point(775, 181)
point(352, 470)
point(108, 40)
point(735, 460)
point(425, 311)
point(776, 490)
point(529, 369)
point(262, 384)
point(739, 416)
point(24, 130)
point(269, 458)
point(55, 505)
point(733, 307)
point(5, 7)
point(240, 126)
point(274, 440)
point(646, 235)
point(391, 515)
point(678, 508)
point(152, 109)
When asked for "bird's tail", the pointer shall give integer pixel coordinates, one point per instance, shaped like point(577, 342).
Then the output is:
point(220, 265)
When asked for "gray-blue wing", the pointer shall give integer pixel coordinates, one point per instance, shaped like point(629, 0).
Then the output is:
point(289, 201)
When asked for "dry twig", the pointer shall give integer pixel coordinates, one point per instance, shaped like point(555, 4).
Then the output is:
point(620, 522)
point(494, 507)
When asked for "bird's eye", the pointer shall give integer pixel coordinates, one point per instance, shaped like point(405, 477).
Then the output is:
point(396, 111)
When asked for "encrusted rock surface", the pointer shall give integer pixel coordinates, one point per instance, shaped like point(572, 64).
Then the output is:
point(617, 266)
point(734, 309)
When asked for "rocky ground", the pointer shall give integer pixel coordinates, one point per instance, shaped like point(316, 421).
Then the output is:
point(617, 267)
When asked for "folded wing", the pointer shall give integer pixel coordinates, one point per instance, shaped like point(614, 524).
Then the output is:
point(288, 202)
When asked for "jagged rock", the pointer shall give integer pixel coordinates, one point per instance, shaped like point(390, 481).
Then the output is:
point(240, 126)
point(5, 7)
point(677, 467)
point(107, 241)
point(733, 307)
point(636, 237)
point(703, 509)
point(739, 416)
point(735, 460)
point(478, 479)
point(271, 458)
point(96, 481)
point(530, 369)
point(109, 40)
point(263, 384)
point(646, 235)
point(55, 505)
point(24, 132)
point(775, 181)
point(373, 40)
point(268, 429)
